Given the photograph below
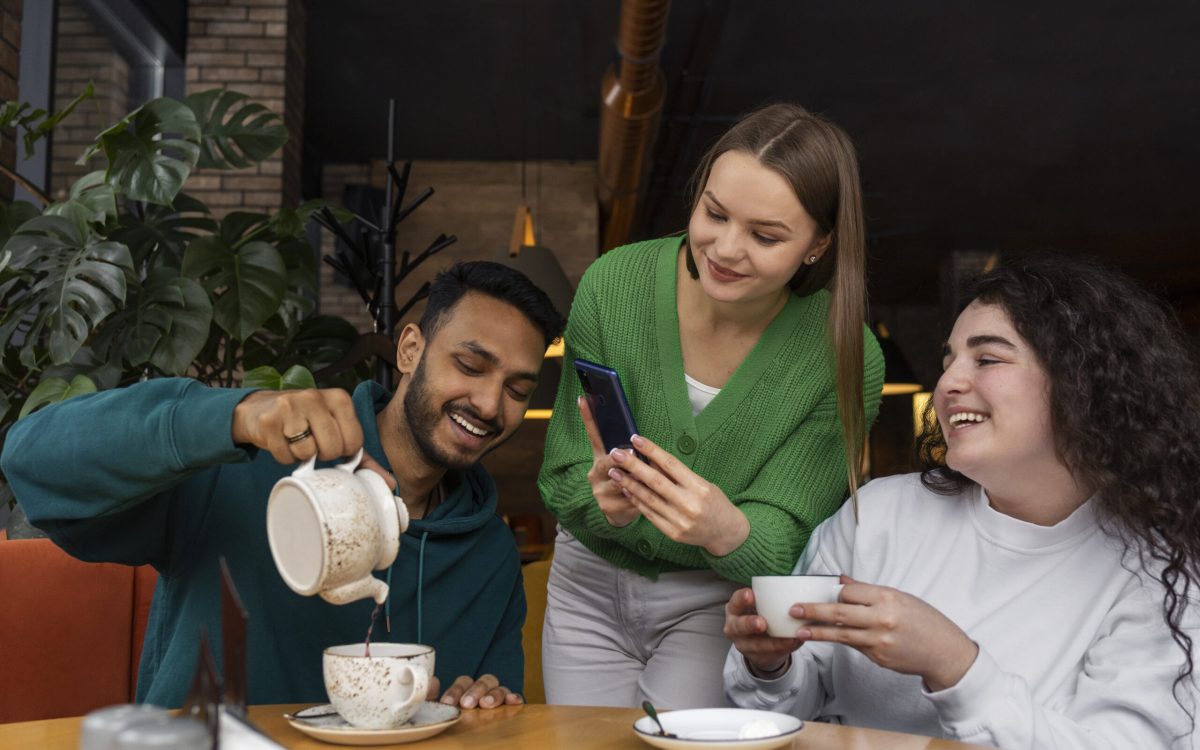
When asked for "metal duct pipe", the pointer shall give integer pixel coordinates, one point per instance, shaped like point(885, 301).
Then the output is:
point(631, 106)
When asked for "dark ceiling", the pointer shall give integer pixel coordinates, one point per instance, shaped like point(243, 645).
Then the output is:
point(1072, 125)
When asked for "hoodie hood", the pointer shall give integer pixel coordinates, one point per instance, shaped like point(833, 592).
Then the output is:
point(470, 496)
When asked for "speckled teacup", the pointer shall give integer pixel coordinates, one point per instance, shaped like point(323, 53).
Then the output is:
point(380, 691)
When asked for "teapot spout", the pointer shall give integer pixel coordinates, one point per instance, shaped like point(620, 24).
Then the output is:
point(369, 587)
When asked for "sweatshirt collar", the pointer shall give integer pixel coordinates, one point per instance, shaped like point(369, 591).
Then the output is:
point(1019, 535)
point(470, 496)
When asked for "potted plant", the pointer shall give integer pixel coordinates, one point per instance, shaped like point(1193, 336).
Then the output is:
point(129, 277)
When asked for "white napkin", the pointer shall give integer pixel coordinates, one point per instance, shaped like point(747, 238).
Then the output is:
point(239, 734)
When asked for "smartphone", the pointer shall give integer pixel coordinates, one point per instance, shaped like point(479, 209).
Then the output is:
point(607, 400)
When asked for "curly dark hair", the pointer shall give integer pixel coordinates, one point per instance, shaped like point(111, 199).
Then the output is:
point(1124, 409)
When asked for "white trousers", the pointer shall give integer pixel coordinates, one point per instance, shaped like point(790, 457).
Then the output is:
point(615, 638)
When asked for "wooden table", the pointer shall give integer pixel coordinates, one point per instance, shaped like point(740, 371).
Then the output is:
point(532, 727)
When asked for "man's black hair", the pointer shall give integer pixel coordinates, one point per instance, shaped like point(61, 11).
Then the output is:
point(497, 281)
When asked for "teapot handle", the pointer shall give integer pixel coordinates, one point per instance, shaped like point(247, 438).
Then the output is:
point(306, 468)
point(352, 464)
point(309, 464)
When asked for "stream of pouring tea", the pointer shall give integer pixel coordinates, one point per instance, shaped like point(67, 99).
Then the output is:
point(370, 627)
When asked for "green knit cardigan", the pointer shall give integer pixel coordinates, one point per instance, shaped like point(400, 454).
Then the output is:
point(771, 439)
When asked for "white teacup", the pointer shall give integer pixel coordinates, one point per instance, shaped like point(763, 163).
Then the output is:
point(380, 691)
point(328, 528)
point(775, 595)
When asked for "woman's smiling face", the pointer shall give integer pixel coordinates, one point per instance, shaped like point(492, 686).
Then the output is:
point(992, 400)
point(749, 233)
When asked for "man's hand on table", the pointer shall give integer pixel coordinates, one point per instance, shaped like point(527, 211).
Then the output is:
point(466, 692)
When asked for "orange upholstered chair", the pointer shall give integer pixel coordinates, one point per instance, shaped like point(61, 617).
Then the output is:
point(71, 632)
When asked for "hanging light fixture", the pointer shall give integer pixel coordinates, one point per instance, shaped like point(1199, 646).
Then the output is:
point(544, 270)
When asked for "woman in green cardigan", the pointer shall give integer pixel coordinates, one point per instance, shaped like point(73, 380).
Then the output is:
point(752, 378)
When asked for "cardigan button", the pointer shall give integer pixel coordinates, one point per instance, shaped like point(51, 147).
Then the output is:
point(686, 444)
point(644, 547)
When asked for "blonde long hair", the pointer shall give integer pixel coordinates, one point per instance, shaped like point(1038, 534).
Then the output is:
point(818, 160)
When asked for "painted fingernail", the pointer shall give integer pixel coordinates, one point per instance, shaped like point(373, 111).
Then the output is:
point(468, 702)
point(638, 441)
point(803, 634)
point(618, 455)
point(487, 701)
point(615, 475)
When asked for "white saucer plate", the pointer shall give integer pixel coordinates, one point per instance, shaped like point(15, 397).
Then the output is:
point(718, 729)
point(324, 723)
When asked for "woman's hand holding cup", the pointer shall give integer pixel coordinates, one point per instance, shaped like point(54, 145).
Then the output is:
point(765, 655)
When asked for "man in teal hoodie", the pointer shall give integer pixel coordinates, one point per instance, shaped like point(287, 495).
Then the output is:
point(175, 474)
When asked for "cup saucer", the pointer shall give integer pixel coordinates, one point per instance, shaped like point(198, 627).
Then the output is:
point(324, 723)
point(719, 729)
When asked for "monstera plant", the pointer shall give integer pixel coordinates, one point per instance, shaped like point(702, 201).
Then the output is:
point(129, 277)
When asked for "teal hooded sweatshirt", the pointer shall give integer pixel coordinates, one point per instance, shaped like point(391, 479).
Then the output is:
point(150, 474)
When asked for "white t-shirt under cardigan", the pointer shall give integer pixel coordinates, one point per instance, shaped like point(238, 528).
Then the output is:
point(1073, 648)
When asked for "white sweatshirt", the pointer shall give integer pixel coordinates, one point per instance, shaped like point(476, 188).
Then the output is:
point(1073, 648)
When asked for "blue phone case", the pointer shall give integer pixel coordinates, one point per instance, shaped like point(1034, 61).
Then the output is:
point(607, 400)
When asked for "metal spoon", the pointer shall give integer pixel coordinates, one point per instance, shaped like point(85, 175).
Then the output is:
point(648, 707)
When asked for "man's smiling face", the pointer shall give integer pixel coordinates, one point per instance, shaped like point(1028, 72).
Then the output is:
point(471, 383)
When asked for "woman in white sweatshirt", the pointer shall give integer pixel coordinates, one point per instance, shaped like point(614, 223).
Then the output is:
point(1033, 586)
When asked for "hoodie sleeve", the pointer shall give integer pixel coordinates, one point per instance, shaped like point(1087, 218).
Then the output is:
point(98, 472)
point(505, 656)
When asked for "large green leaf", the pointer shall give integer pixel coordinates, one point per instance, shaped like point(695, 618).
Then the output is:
point(295, 378)
point(157, 236)
point(152, 151)
point(88, 361)
point(78, 280)
point(237, 133)
point(53, 390)
point(317, 341)
point(242, 226)
point(165, 323)
point(299, 300)
point(246, 282)
point(92, 201)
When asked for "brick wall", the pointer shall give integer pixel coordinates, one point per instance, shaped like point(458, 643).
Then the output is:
point(255, 47)
point(82, 53)
point(476, 201)
point(10, 67)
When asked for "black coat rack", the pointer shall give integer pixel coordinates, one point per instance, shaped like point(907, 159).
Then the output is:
point(369, 260)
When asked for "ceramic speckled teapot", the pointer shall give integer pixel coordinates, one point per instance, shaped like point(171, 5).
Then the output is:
point(328, 528)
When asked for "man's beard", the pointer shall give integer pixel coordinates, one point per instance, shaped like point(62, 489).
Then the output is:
point(423, 417)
